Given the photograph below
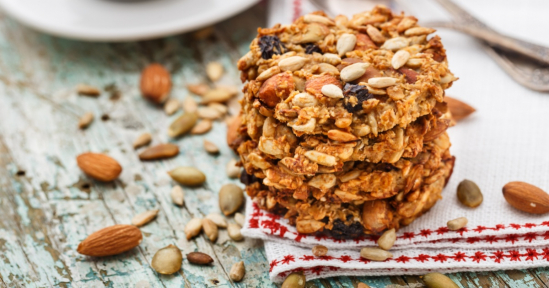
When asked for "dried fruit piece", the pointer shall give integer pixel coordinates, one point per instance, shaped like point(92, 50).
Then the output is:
point(155, 83)
point(142, 140)
point(387, 240)
point(210, 147)
point(188, 176)
point(193, 228)
point(526, 197)
point(144, 218)
point(203, 126)
point(199, 258)
point(312, 48)
point(167, 260)
point(237, 271)
point(375, 254)
point(294, 280)
point(182, 125)
point(160, 151)
point(437, 280)
point(469, 194)
point(457, 223)
point(355, 95)
point(234, 232)
point(269, 46)
point(171, 106)
point(214, 70)
point(240, 218)
point(219, 220)
point(231, 198)
point(99, 166)
point(85, 120)
point(233, 171)
point(320, 250)
point(458, 109)
point(210, 228)
point(110, 241)
point(178, 195)
point(87, 90)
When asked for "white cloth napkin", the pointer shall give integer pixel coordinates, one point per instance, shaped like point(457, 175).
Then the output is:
point(505, 140)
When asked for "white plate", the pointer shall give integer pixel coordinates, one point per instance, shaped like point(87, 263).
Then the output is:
point(120, 20)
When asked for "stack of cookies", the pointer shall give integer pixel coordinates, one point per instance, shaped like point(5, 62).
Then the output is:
point(343, 122)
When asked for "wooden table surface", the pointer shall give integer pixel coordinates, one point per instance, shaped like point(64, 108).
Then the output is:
point(48, 206)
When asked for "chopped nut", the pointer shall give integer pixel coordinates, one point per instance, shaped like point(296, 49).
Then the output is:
point(237, 271)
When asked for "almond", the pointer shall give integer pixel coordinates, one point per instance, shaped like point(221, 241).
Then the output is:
point(281, 84)
point(160, 151)
point(314, 85)
point(458, 109)
point(110, 241)
point(526, 197)
point(155, 83)
point(99, 166)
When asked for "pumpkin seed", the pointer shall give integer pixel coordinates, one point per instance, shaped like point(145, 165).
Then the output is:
point(182, 124)
point(167, 260)
point(387, 240)
point(202, 127)
point(85, 120)
point(232, 170)
point(178, 195)
point(189, 176)
point(144, 218)
point(214, 70)
point(189, 105)
point(87, 90)
point(160, 151)
point(437, 280)
point(239, 218)
point(210, 229)
point(193, 228)
point(469, 194)
point(230, 198)
point(375, 254)
point(142, 140)
point(457, 223)
point(171, 106)
point(210, 147)
point(294, 280)
point(234, 232)
point(237, 271)
point(320, 250)
point(199, 258)
point(219, 220)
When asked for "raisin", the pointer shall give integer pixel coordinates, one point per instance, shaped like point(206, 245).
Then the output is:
point(358, 91)
point(342, 231)
point(270, 45)
point(311, 48)
point(247, 179)
point(385, 167)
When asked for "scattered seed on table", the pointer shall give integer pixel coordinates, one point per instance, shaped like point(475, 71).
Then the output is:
point(437, 280)
point(199, 258)
point(178, 195)
point(469, 194)
point(167, 260)
point(231, 198)
point(85, 120)
point(210, 228)
point(188, 176)
point(294, 280)
point(193, 228)
point(142, 140)
point(210, 147)
point(320, 250)
point(239, 218)
point(144, 218)
point(234, 232)
point(237, 271)
point(457, 223)
point(232, 170)
point(375, 254)
point(218, 219)
point(387, 240)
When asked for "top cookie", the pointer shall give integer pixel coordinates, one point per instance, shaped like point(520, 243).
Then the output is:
point(363, 75)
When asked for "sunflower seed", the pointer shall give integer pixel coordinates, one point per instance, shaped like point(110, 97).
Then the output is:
point(214, 70)
point(400, 58)
point(321, 158)
point(167, 260)
point(171, 106)
point(381, 82)
point(240, 218)
point(414, 63)
point(268, 73)
point(232, 170)
point(218, 95)
point(395, 43)
point(327, 68)
point(85, 120)
point(332, 91)
point(178, 195)
point(209, 113)
point(457, 223)
point(182, 125)
point(193, 228)
point(353, 71)
point(142, 140)
point(199, 258)
point(198, 89)
point(230, 198)
point(219, 220)
point(203, 126)
point(87, 90)
point(210, 147)
point(234, 232)
point(416, 31)
point(237, 271)
point(310, 18)
point(345, 43)
point(387, 240)
point(437, 280)
point(189, 176)
point(210, 229)
point(144, 218)
point(160, 151)
point(294, 280)
point(221, 108)
point(291, 63)
point(320, 250)
point(374, 34)
point(189, 105)
point(375, 254)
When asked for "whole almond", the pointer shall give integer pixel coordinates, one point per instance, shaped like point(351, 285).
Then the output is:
point(210, 228)
point(160, 151)
point(458, 109)
point(526, 197)
point(155, 83)
point(144, 218)
point(110, 241)
point(167, 260)
point(99, 166)
point(142, 140)
point(237, 271)
point(199, 258)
